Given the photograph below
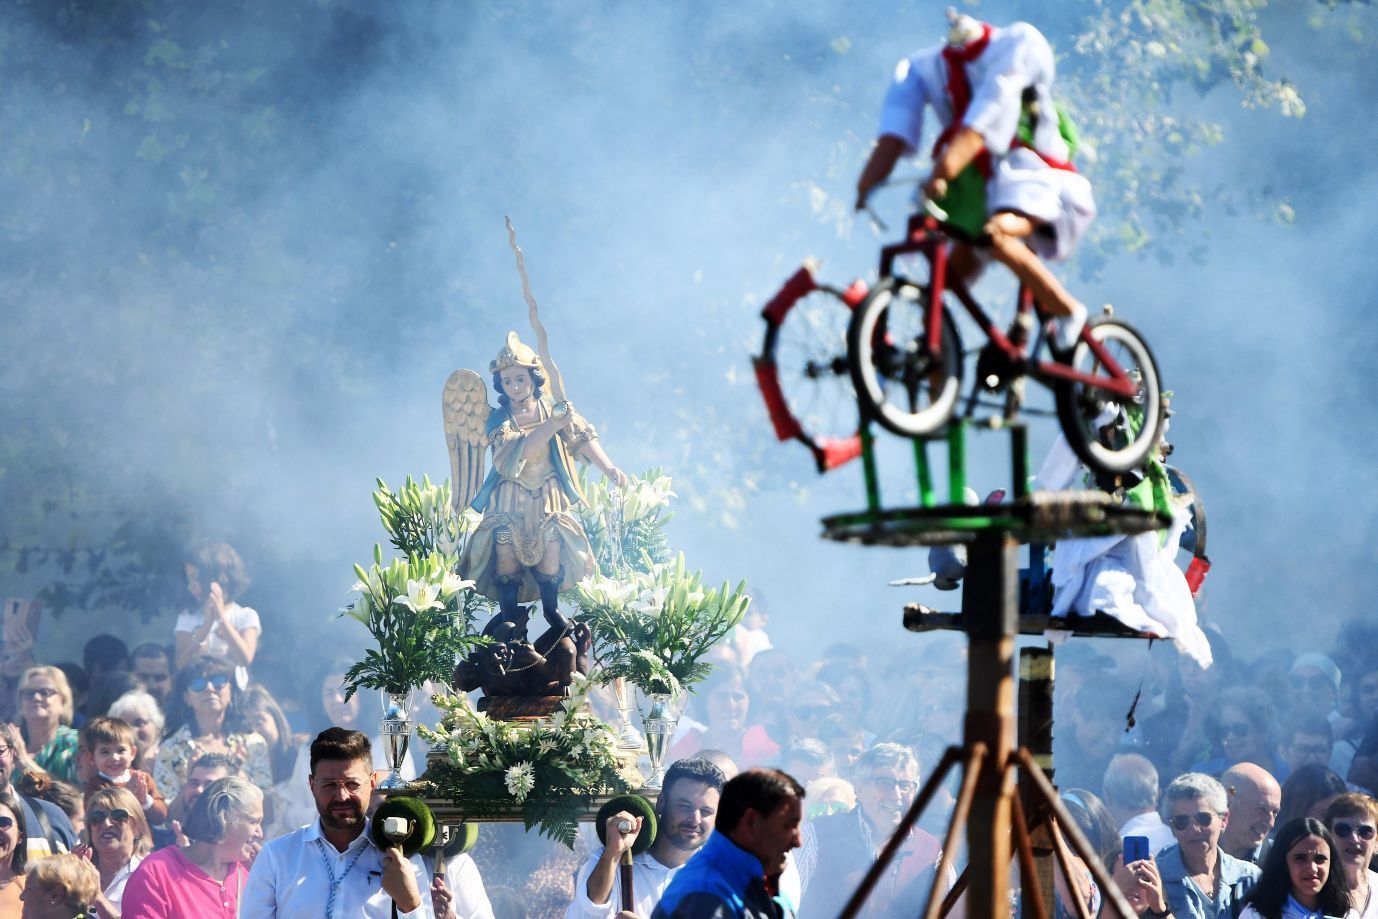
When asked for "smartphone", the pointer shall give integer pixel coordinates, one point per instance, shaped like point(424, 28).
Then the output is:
point(1135, 849)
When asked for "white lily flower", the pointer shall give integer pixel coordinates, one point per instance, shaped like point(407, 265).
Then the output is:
point(662, 489)
point(452, 584)
point(421, 595)
point(446, 541)
point(361, 609)
point(650, 601)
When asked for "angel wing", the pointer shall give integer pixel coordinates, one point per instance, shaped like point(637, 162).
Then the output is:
point(466, 409)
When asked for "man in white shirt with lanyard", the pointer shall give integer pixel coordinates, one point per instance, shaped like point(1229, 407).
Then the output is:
point(331, 868)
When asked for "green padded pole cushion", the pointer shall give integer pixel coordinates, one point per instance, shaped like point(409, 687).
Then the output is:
point(415, 810)
point(463, 837)
point(637, 806)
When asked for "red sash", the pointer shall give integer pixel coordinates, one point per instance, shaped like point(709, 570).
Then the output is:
point(959, 95)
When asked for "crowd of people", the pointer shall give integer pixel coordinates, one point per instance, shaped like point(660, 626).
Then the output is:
point(169, 780)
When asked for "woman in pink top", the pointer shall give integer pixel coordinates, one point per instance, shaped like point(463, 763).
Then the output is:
point(725, 706)
point(204, 877)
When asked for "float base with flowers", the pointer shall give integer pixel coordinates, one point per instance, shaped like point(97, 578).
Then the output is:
point(648, 621)
point(549, 773)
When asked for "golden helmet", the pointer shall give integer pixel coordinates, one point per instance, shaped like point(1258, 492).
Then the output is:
point(515, 354)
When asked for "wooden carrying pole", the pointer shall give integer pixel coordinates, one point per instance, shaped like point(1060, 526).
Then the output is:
point(625, 876)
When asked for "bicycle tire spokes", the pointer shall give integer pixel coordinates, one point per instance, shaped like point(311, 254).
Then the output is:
point(1110, 432)
point(902, 379)
point(802, 370)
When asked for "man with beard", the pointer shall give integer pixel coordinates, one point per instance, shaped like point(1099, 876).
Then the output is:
point(737, 873)
point(685, 811)
point(839, 849)
point(331, 868)
point(1254, 800)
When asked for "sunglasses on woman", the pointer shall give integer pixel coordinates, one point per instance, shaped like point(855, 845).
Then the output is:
point(1181, 821)
point(97, 817)
point(1364, 831)
point(6, 822)
point(218, 681)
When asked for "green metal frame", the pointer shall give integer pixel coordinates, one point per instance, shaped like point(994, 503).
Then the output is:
point(955, 435)
point(1035, 517)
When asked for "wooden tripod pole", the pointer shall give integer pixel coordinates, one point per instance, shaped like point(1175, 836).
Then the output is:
point(930, 787)
point(990, 606)
point(1036, 735)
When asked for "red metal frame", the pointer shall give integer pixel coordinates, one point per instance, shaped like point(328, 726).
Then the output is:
point(828, 452)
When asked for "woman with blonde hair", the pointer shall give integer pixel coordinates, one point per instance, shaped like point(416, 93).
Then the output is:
point(45, 714)
point(60, 887)
point(1352, 820)
point(119, 840)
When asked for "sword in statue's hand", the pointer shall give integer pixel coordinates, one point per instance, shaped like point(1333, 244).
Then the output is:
point(557, 382)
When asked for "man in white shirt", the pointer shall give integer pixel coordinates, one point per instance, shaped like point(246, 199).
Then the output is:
point(991, 90)
point(685, 812)
point(1131, 794)
point(331, 868)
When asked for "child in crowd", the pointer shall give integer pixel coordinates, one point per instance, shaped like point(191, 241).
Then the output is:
point(109, 742)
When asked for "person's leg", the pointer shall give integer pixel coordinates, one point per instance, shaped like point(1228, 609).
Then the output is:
point(508, 578)
point(549, 574)
point(965, 264)
point(1008, 231)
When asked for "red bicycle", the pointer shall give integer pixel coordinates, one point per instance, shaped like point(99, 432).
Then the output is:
point(906, 360)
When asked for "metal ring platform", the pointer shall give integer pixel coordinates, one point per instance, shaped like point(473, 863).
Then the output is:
point(1041, 516)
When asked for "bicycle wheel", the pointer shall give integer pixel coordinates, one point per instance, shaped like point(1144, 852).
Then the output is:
point(899, 383)
point(802, 370)
point(1111, 434)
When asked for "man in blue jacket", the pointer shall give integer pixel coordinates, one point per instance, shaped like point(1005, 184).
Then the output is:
point(734, 875)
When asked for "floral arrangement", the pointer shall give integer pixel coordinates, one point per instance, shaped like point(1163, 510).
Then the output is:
point(420, 521)
point(654, 626)
point(625, 526)
point(550, 768)
point(420, 613)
